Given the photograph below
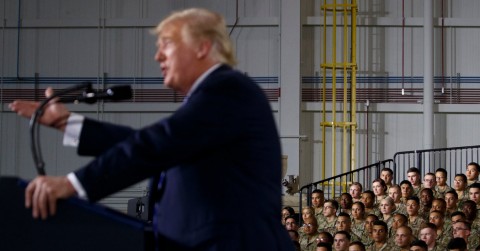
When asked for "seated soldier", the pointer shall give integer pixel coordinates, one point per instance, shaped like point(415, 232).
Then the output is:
point(387, 207)
point(429, 235)
point(341, 241)
point(323, 246)
point(441, 188)
point(358, 218)
point(307, 213)
point(344, 223)
point(287, 211)
point(356, 246)
point(426, 199)
point(355, 191)
point(418, 245)
point(324, 236)
point(380, 190)
point(472, 172)
point(457, 244)
point(346, 202)
point(413, 175)
point(430, 181)
point(414, 219)
point(462, 229)
point(307, 240)
point(330, 208)
point(406, 190)
point(386, 174)
point(291, 223)
point(398, 221)
point(395, 192)
point(474, 194)
point(460, 186)
point(403, 238)
point(367, 237)
point(457, 216)
point(318, 199)
point(442, 230)
point(379, 235)
point(368, 199)
point(451, 200)
point(470, 211)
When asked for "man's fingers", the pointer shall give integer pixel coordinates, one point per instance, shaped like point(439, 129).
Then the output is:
point(28, 194)
point(23, 108)
point(35, 199)
point(42, 194)
point(48, 92)
point(52, 203)
point(42, 201)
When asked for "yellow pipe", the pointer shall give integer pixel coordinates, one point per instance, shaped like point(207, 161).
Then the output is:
point(347, 66)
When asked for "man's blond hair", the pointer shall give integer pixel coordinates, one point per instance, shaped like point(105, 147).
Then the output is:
point(198, 24)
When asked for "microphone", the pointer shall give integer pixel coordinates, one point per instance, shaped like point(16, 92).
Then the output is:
point(88, 96)
point(115, 93)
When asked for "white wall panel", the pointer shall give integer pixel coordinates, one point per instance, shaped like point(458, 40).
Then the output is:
point(257, 50)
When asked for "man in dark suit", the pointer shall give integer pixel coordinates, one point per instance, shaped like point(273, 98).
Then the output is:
point(218, 156)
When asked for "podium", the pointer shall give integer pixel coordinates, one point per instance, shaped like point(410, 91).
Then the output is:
point(77, 225)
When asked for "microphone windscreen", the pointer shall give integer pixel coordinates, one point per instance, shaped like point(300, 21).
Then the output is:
point(119, 92)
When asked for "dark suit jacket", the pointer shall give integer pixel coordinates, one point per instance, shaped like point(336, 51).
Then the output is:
point(221, 155)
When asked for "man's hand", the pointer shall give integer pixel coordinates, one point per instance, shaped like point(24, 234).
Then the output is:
point(43, 192)
point(55, 114)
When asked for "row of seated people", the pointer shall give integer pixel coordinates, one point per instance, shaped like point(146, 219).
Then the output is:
point(404, 241)
point(396, 205)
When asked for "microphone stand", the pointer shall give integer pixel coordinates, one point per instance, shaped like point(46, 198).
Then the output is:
point(35, 128)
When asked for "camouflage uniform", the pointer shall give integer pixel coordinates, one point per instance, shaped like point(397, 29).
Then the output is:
point(439, 248)
point(331, 230)
point(401, 209)
point(319, 215)
point(358, 227)
point(476, 222)
point(416, 225)
point(416, 191)
point(473, 241)
point(389, 221)
point(323, 225)
point(354, 236)
point(462, 196)
point(366, 239)
point(424, 212)
point(441, 192)
point(372, 247)
point(308, 243)
point(397, 248)
point(446, 235)
point(374, 211)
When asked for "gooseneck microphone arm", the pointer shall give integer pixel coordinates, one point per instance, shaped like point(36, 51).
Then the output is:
point(88, 96)
point(35, 128)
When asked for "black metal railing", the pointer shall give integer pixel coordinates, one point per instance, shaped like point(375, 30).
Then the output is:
point(334, 186)
point(453, 159)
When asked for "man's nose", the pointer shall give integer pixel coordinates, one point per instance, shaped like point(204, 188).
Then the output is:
point(159, 56)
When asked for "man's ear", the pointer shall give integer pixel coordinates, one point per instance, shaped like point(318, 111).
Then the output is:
point(204, 48)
